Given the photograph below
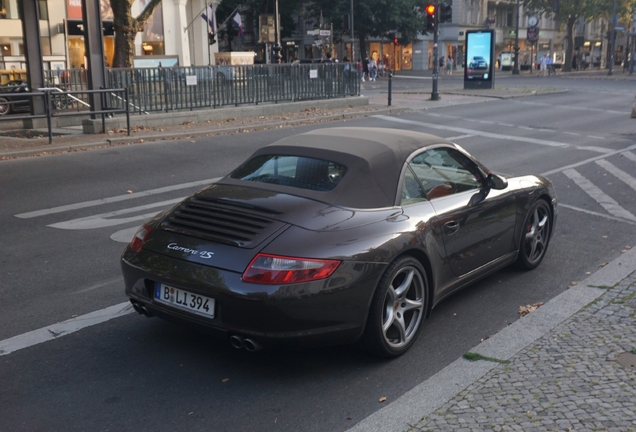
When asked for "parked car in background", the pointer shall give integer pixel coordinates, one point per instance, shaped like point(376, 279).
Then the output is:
point(11, 99)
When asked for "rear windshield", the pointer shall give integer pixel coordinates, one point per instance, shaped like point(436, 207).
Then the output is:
point(294, 171)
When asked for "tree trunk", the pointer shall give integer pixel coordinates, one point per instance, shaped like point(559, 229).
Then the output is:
point(569, 41)
point(124, 47)
point(126, 28)
point(363, 48)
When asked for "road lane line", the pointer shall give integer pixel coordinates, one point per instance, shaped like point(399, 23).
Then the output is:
point(101, 221)
point(118, 198)
point(590, 212)
point(474, 132)
point(607, 202)
point(458, 137)
point(629, 155)
point(64, 328)
point(618, 173)
point(597, 149)
point(587, 161)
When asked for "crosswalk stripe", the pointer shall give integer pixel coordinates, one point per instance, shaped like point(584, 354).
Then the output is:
point(618, 173)
point(607, 202)
point(629, 155)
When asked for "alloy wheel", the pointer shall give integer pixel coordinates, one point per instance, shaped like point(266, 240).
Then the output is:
point(403, 307)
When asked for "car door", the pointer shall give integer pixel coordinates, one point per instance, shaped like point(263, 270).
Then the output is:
point(475, 222)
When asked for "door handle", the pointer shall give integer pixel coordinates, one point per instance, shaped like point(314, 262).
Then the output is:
point(451, 227)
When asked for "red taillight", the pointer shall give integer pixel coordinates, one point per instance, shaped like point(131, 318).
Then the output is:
point(274, 269)
point(140, 237)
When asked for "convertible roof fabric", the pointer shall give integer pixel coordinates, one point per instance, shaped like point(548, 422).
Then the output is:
point(374, 158)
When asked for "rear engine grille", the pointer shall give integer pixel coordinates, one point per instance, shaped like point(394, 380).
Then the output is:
point(221, 221)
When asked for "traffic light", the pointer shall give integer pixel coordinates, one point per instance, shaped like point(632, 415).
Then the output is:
point(445, 13)
point(276, 55)
point(430, 18)
point(211, 38)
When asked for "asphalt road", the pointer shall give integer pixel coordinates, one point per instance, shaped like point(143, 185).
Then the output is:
point(133, 373)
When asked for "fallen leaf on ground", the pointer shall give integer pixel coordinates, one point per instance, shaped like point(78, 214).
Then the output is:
point(128, 191)
point(525, 310)
point(603, 265)
point(382, 399)
point(224, 380)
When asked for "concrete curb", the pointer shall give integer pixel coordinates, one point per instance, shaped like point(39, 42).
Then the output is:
point(184, 135)
point(431, 394)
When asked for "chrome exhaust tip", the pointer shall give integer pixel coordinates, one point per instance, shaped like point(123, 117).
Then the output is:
point(251, 345)
point(236, 341)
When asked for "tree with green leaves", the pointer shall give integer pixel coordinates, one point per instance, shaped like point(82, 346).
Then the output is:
point(374, 18)
point(126, 28)
point(570, 11)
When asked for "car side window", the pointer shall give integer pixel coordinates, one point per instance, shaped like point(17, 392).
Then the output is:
point(444, 172)
point(412, 191)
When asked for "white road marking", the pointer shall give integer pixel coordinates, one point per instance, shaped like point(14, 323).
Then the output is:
point(594, 136)
point(618, 173)
point(607, 202)
point(474, 132)
point(118, 198)
point(587, 161)
point(571, 133)
point(458, 137)
point(125, 235)
point(597, 149)
point(101, 220)
point(593, 213)
point(629, 155)
point(572, 107)
point(64, 328)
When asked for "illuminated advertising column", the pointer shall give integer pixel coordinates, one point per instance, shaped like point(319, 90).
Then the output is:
point(479, 59)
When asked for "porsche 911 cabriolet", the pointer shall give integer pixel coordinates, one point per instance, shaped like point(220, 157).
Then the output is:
point(337, 235)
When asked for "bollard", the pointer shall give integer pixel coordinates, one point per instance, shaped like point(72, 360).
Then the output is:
point(390, 85)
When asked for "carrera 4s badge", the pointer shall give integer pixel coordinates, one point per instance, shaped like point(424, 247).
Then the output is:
point(202, 254)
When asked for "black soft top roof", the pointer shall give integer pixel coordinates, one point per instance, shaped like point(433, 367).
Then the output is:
point(374, 158)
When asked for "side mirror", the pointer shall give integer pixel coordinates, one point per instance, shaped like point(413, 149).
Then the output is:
point(497, 182)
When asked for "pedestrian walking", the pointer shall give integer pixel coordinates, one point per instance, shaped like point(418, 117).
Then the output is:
point(360, 70)
point(373, 69)
point(550, 66)
point(544, 65)
point(441, 62)
point(449, 65)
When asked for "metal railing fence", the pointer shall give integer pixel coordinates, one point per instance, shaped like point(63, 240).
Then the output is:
point(183, 88)
point(60, 103)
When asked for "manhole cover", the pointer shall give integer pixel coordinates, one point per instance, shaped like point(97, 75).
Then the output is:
point(627, 359)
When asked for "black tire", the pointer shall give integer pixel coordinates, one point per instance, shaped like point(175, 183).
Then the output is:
point(535, 235)
point(5, 106)
point(397, 310)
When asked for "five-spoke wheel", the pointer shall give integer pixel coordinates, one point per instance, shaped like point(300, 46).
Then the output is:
point(535, 236)
point(398, 308)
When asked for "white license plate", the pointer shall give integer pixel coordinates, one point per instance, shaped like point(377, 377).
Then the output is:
point(186, 300)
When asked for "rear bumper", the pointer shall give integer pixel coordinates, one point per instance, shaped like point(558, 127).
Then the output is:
point(330, 311)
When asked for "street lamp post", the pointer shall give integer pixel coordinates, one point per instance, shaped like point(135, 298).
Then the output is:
point(515, 68)
point(353, 42)
point(612, 40)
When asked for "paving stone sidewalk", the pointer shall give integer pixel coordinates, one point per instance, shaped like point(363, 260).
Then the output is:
point(581, 376)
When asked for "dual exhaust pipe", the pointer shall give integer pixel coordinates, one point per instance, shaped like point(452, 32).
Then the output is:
point(250, 345)
point(238, 342)
point(141, 309)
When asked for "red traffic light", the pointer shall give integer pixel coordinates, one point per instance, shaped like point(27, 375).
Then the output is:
point(430, 9)
point(395, 41)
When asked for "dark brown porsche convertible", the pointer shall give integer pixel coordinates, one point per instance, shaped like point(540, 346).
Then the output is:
point(335, 236)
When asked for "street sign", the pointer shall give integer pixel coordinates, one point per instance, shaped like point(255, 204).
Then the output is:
point(533, 34)
point(325, 32)
point(619, 28)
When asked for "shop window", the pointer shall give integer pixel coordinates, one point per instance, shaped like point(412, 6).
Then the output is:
point(152, 34)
